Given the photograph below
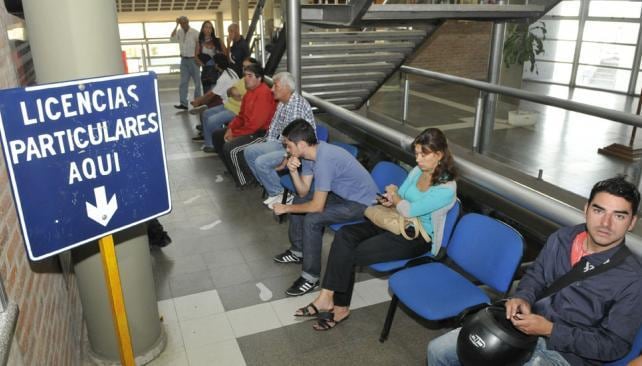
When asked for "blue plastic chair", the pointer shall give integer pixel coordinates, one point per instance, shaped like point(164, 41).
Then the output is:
point(451, 220)
point(384, 173)
point(322, 133)
point(636, 350)
point(486, 249)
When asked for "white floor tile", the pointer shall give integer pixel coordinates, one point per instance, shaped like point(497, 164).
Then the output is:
point(209, 329)
point(285, 308)
point(373, 291)
point(253, 319)
point(198, 305)
point(167, 310)
point(174, 336)
point(168, 358)
point(226, 353)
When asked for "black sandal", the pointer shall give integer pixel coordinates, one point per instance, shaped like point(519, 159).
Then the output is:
point(325, 321)
point(305, 312)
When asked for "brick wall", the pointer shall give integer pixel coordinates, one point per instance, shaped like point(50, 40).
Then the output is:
point(49, 326)
point(457, 47)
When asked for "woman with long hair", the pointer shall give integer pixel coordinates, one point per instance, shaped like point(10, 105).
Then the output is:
point(209, 45)
point(427, 194)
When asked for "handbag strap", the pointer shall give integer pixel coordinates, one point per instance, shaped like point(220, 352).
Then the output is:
point(583, 270)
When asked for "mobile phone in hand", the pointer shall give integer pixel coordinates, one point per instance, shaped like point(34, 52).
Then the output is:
point(381, 198)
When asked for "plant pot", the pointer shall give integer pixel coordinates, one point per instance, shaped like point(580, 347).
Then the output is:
point(522, 118)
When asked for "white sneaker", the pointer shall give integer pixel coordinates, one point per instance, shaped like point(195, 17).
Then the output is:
point(288, 201)
point(290, 198)
point(273, 199)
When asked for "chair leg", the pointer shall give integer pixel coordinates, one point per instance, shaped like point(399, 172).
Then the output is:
point(388, 323)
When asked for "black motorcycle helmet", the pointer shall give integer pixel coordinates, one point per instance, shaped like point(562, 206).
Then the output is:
point(488, 338)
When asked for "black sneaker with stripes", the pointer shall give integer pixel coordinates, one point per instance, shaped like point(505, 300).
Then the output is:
point(301, 286)
point(287, 257)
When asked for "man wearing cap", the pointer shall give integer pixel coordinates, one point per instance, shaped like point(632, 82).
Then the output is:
point(187, 38)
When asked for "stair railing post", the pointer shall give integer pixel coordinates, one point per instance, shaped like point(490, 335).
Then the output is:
point(494, 68)
point(406, 98)
point(294, 41)
point(262, 39)
point(479, 112)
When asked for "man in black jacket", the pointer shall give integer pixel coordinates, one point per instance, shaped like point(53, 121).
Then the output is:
point(588, 322)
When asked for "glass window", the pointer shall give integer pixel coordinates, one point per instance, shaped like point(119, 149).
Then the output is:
point(561, 29)
point(612, 32)
point(566, 8)
point(615, 9)
point(558, 51)
point(603, 78)
point(159, 30)
point(164, 49)
point(131, 30)
point(605, 54)
point(549, 71)
point(132, 50)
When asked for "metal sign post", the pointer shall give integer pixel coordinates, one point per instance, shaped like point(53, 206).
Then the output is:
point(115, 292)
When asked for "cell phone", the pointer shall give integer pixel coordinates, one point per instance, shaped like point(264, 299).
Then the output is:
point(381, 197)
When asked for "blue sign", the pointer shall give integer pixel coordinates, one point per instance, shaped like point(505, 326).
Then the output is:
point(86, 158)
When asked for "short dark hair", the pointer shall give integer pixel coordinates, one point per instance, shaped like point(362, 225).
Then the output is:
point(300, 130)
point(221, 61)
point(251, 60)
point(255, 69)
point(618, 186)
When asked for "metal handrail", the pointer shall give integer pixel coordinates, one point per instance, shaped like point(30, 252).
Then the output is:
point(526, 197)
point(258, 11)
point(618, 116)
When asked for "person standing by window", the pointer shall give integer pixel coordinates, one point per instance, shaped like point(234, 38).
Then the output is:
point(209, 45)
point(187, 38)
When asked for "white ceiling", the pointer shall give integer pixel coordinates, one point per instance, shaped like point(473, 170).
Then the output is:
point(170, 9)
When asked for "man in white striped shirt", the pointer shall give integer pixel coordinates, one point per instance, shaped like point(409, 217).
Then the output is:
point(187, 38)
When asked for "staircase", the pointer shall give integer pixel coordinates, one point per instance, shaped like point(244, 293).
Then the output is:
point(345, 66)
point(349, 50)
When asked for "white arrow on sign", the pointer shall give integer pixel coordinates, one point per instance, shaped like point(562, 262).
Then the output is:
point(103, 211)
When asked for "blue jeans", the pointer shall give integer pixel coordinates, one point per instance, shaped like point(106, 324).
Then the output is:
point(262, 159)
point(306, 230)
point(213, 119)
point(443, 351)
point(189, 69)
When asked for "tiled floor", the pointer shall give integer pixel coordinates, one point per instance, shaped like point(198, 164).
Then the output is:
point(222, 297)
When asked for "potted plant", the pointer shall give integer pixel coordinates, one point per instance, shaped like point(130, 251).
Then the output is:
point(522, 44)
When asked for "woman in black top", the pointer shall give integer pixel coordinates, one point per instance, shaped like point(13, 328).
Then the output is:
point(209, 45)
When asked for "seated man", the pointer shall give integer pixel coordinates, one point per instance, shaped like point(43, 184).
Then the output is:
point(588, 322)
point(257, 109)
point(216, 117)
point(263, 157)
point(343, 189)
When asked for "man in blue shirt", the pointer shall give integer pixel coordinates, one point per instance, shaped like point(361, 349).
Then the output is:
point(342, 190)
point(591, 321)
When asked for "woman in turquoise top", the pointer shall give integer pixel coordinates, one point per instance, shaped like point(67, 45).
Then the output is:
point(427, 193)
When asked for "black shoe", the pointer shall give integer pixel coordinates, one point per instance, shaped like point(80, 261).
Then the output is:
point(180, 106)
point(287, 257)
point(199, 127)
point(198, 138)
point(301, 286)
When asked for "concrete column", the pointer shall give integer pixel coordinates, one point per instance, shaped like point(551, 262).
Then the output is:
point(220, 30)
point(234, 10)
point(243, 15)
point(78, 39)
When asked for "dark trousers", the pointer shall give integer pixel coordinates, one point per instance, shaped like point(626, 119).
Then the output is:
point(232, 154)
point(360, 245)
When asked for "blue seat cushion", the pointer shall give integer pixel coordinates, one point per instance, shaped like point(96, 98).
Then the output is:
point(394, 265)
point(435, 291)
point(336, 227)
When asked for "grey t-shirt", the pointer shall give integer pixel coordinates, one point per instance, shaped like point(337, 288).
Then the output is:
point(336, 170)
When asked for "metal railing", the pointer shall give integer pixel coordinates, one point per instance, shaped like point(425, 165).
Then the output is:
point(484, 87)
point(521, 195)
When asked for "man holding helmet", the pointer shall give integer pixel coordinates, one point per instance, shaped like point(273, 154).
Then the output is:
point(589, 321)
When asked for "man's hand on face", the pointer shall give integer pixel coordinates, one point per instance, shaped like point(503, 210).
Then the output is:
point(293, 163)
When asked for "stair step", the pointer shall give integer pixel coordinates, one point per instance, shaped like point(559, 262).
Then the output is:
point(342, 68)
point(356, 35)
point(353, 47)
point(357, 58)
point(314, 88)
point(329, 78)
point(362, 93)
